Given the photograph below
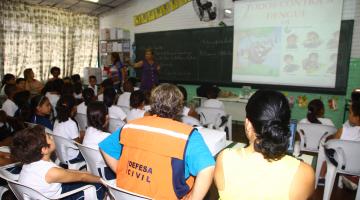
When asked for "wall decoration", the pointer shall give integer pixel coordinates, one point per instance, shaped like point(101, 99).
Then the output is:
point(302, 101)
point(332, 103)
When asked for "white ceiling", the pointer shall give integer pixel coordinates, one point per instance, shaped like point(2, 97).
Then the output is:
point(80, 6)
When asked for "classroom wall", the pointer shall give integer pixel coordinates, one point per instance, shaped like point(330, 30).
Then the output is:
point(185, 18)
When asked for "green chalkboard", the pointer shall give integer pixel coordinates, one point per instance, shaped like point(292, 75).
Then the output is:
point(192, 55)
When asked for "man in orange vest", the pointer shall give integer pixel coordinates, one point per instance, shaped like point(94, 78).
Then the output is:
point(159, 157)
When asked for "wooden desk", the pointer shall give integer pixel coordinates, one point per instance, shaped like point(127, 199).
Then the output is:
point(234, 106)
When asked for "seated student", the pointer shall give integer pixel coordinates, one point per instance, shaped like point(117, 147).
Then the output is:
point(124, 98)
point(75, 79)
point(41, 110)
point(88, 96)
point(168, 162)
point(66, 127)
point(212, 102)
point(137, 102)
point(187, 111)
point(78, 89)
point(147, 95)
point(92, 84)
point(7, 79)
point(97, 131)
point(54, 89)
point(133, 81)
point(55, 72)
point(31, 84)
point(265, 171)
point(20, 84)
point(68, 88)
point(315, 114)
point(351, 128)
point(9, 106)
point(24, 112)
point(5, 129)
point(115, 112)
point(67, 80)
point(105, 84)
point(33, 148)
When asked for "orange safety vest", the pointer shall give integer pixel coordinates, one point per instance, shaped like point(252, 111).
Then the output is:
point(152, 161)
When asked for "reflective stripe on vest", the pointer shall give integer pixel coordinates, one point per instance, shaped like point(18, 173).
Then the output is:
point(152, 159)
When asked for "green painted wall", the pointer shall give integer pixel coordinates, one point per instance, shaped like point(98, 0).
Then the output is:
point(299, 112)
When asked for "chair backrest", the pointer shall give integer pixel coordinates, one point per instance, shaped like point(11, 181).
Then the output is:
point(21, 191)
point(93, 158)
point(190, 121)
point(312, 134)
point(210, 115)
point(118, 193)
point(125, 109)
point(62, 146)
point(347, 154)
point(114, 124)
point(81, 119)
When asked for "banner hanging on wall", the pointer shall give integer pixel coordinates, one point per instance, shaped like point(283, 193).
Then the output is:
point(158, 12)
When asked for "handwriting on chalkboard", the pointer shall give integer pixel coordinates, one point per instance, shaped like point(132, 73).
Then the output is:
point(218, 41)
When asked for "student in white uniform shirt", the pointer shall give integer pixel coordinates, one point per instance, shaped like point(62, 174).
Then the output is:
point(41, 173)
point(66, 127)
point(124, 98)
point(88, 96)
point(137, 102)
point(97, 131)
point(212, 102)
point(92, 84)
point(186, 110)
point(7, 79)
point(115, 112)
point(107, 83)
point(9, 106)
point(54, 89)
point(315, 114)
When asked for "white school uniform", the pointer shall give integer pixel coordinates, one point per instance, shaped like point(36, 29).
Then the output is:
point(95, 88)
point(33, 175)
point(213, 103)
point(324, 121)
point(100, 97)
point(82, 108)
point(93, 137)
point(53, 98)
point(69, 130)
point(124, 99)
point(147, 108)
point(9, 107)
point(350, 132)
point(115, 112)
point(135, 113)
point(186, 111)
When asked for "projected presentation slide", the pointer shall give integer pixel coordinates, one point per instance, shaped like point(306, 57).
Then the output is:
point(286, 42)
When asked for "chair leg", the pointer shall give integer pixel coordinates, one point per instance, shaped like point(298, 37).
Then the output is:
point(329, 180)
point(319, 163)
point(357, 197)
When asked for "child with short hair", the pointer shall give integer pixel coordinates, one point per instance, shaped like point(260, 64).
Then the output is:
point(54, 89)
point(75, 78)
point(33, 147)
point(66, 127)
point(92, 84)
point(7, 79)
point(41, 109)
point(88, 96)
point(55, 72)
point(115, 112)
point(315, 114)
point(78, 89)
point(20, 84)
point(9, 106)
point(137, 103)
point(107, 83)
point(124, 98)
point(212, 101)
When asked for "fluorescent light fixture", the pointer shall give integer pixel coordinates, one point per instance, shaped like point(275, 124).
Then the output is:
point(228, 11)
point(95, 1)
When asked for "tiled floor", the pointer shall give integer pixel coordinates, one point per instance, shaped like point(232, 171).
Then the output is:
point(337, 193)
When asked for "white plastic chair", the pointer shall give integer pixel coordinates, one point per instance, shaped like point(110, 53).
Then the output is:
point(347, 155)
point(62, 147)
point(81, 119)
point(118, 193)
point(211, 117)
point(125, 109)
point(23, 192)
point(94, 160)
point(114, 124)
point(8, 174)
point(190, 121)
point(312, 134)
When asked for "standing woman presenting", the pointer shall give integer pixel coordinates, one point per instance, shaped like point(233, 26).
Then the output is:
point(150, 71)
point(118, 71)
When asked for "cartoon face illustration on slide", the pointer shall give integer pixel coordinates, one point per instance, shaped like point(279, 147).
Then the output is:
point(312, 40)
point(291, 41)
point(311, 63)
point(257, 52)
point(289, 64)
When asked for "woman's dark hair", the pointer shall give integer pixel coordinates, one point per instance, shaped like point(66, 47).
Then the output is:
point(109, 96)
point(28, 143)
point(76, 78)
point(96, 115)
point(64, 107)
point(137, 98)
point(269, 113)
point(36, 101)
point(67, 89)
point(183, 91)
point(315, 109)
point(88, 95)
point(355, 95)
point(116, 57)
point(77, 88)
point(6, 79)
